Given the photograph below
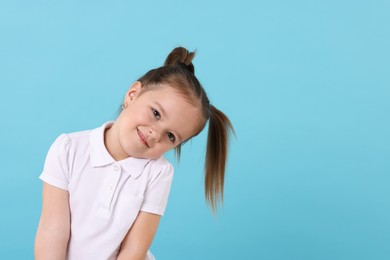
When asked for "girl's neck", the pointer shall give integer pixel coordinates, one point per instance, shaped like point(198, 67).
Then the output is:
point(111, 142)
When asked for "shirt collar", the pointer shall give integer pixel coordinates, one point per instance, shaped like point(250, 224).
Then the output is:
point(101, 157)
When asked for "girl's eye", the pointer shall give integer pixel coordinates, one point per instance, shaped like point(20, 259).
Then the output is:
point(171, 137)
point(156, 113)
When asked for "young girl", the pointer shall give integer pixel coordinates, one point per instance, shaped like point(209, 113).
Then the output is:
point(105, 189)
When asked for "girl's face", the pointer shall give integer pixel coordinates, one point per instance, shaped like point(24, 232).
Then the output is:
point(155, 121)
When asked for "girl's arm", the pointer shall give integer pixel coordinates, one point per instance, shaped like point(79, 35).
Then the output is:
point(140, 236)
point(54, 226)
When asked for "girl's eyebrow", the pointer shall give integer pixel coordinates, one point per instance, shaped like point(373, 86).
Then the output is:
point(179, 137)
point(159, 106)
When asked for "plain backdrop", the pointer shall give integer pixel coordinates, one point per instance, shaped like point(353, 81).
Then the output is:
point(305, 83)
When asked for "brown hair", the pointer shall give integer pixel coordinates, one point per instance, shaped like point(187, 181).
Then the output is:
point(179, 72)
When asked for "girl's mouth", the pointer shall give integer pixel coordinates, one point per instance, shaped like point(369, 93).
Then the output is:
point(142, 138)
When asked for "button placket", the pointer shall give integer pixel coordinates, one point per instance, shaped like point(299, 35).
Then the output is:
point(110, 190)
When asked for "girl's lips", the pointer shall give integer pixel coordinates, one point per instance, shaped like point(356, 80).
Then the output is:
point(142, 137)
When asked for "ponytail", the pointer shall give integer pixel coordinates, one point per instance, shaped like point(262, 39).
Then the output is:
point(216, 156)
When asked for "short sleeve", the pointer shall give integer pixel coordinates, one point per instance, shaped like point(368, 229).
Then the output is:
point(56, 168)
point(158, 188)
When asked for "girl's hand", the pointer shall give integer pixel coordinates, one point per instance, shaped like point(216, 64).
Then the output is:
point(139, 238)
point(54, 226)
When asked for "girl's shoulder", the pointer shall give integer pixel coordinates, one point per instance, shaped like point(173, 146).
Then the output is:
point(73, 136)
point(66, 143)
point(79, 134)
point(160, 162)
point(160, 166)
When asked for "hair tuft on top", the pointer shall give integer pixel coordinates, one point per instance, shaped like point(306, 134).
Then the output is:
point(182, 57)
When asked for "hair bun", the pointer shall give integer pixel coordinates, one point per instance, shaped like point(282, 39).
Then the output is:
point(182, 57)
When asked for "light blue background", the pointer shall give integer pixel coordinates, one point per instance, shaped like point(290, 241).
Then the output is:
point(305, 83)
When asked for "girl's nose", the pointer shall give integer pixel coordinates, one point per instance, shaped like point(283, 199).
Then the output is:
point(155, 134)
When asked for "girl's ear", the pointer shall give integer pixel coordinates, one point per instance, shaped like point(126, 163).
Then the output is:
point(133, 91)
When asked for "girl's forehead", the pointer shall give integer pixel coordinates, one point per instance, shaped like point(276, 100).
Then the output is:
point(164, 92)
point(173, 100)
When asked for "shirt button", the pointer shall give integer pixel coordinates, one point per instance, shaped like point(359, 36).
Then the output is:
point(110, 187)
point(116, 168)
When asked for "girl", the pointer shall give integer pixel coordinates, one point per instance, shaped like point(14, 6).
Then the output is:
point(105, 189)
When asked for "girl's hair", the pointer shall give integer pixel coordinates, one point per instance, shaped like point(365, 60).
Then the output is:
point(179, 72)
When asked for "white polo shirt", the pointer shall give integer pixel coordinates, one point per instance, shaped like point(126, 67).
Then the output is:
point(105, 195)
